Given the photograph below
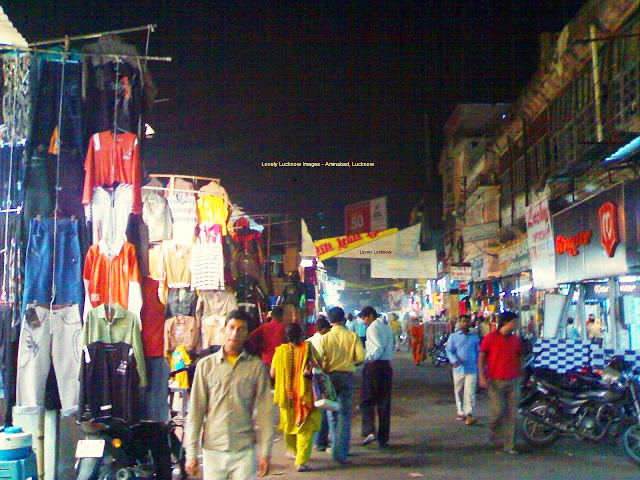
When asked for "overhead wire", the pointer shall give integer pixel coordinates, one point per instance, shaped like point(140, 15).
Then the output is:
point(57, 188)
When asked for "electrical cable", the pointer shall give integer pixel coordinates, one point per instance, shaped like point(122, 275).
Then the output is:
point(57, 188)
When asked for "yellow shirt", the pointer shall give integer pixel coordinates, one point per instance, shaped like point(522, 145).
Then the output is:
point(340, 350)
point(213, 210)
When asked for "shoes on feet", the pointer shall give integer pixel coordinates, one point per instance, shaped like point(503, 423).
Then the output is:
point(302, 468)
point(319, 448)
point(368, 439)
point(469, 420)
point(460, 417)
point(343, 461)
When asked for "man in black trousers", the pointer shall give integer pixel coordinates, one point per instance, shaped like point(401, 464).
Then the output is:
point(377, 376)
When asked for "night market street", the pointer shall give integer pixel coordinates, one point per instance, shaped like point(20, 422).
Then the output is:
point(427, 442)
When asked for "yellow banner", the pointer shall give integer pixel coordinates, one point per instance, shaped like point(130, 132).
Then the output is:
point(330, 247)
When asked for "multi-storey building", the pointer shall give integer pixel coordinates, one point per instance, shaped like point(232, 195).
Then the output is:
point(562, 170)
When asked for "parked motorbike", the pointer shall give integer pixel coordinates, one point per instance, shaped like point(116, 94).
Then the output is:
point(438, 352)
point(116, 450)
point(584, 404)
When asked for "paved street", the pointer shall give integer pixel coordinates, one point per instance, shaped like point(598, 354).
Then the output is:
point(427, 442)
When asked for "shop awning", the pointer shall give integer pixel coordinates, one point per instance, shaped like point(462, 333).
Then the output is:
point(330, 247)
point(9, 35)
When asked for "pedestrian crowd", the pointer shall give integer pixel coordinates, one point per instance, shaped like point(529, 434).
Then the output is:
point(236, 388)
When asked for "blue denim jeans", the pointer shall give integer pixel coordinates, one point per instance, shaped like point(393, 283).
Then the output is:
point(340, 421)
point(39, 274)
point(155, 407)
point(321, 437)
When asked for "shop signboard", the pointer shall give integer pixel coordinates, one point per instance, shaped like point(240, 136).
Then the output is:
point(330, 247)
point(366, 216)
point(514, 258)
point(480, 268)
point(540, 242)
point(404, 244)
point(601, 290)
point(425, 265)
point(597, 238)
point(460, 274)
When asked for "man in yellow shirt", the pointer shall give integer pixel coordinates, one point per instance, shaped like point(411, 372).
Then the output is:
point(340, 350)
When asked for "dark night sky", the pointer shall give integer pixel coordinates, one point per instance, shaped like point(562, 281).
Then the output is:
point(313, 81)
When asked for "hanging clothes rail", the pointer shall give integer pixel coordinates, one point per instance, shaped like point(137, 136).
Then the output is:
point(111, 55)
point(150, 27)
point(166, 189)
point(187, 177)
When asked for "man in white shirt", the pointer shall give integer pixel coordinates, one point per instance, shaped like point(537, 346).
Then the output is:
point(377, 377)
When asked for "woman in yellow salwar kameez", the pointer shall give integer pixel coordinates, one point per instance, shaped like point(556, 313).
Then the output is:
point(299, 419)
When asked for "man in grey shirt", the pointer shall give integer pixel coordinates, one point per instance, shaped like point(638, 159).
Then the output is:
point(230, 394)
point(377, 376)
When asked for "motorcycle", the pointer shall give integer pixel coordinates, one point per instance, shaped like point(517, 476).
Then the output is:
point(582, 404)
point(438, 352)
point(114, 449)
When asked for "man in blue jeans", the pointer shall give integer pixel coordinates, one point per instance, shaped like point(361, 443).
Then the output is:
point(341, 350)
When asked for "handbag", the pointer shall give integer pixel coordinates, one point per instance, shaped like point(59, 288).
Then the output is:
point(324, 395)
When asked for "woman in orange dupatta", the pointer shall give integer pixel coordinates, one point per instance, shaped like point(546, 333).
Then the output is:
point(416, 332)
point(299, 418)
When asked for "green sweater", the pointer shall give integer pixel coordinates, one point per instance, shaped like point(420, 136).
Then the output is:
point(124, 327)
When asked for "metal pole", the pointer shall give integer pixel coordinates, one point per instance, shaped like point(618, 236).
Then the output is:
point(89, 36)
point(596, 83)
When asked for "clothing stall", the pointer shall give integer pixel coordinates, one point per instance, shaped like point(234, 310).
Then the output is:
point(71, 285)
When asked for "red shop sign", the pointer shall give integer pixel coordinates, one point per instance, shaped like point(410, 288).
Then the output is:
point(608, 217)
point(571, 244)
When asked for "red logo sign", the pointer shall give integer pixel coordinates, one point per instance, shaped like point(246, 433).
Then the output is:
point(609, 238)
point(571, 244)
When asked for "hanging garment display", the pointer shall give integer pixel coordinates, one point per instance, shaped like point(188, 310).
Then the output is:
point(180, 301)
point(207, 266)
point(181, 330)
point(16, 99)
point(211, 312)
point(109, 212)
point(180, 359)
point(116, 86)
point(109, 381)
point(246, 265)
point(152, 318)
point(176, 264)
point(154, 403)
point(53, 269)
point(111, 275)
point(156, 214)
point(185, 217)
point(112, 159)
point(8, 355)
point(11, 163)
point(120, 325)
point(49, 336)
point(213, 211)
point(56, 125)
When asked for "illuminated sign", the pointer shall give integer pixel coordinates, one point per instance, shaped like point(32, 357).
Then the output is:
point(608, 219)
point(571, 244)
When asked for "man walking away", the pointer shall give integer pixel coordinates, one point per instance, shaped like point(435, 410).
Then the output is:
point(361, 330)
point(269, 336)
point(230, 394)
point(377, 377)
point(321, 439)
point(350, 324)
point(394, 325)
point(341, 351)
point(462, 351)
point(501, 353)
